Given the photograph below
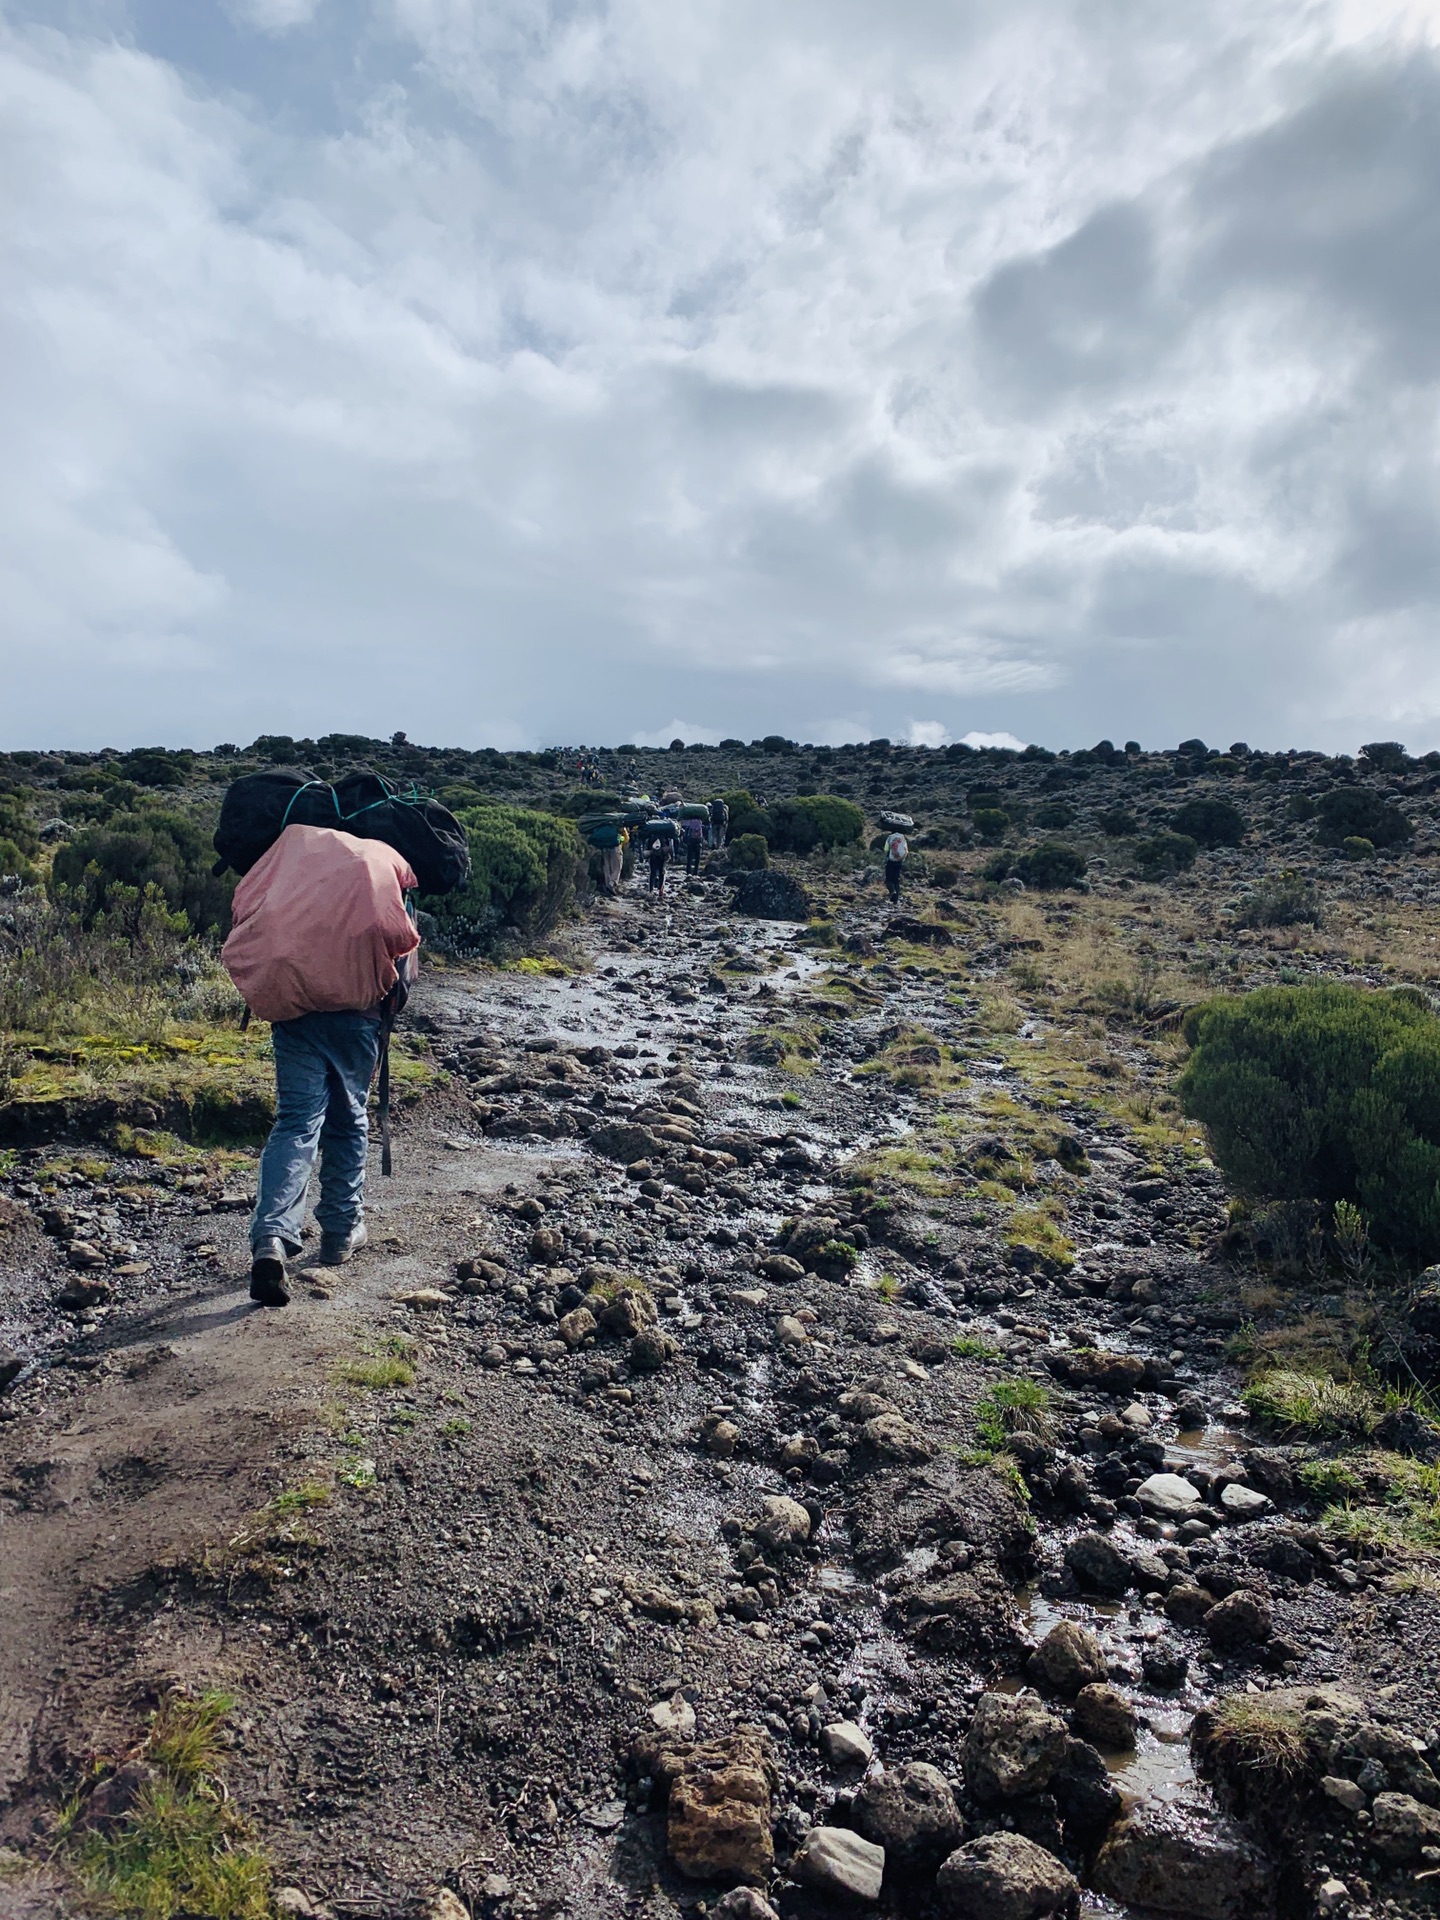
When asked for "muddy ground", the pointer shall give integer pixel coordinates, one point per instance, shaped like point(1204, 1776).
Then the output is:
point(475, 1525)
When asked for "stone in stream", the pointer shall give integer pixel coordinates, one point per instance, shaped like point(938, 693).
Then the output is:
point(1243, 1503)
point(768, 894)
point(1179, 1857)
point(836, 1861)
point(1099, 1564)
point(783, 1524)
point(1105, 1715)
point(1068, 1658)
point(1013, 1747)
point(846, 1745)
point(1003, 1876)
point(1168, 1496)
point(910, 1811)
point(1187, 1605)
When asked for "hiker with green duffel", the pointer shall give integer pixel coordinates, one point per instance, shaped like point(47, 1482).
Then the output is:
point(719, 823)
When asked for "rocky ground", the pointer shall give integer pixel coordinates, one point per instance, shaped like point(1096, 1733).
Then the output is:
point(784, 1434)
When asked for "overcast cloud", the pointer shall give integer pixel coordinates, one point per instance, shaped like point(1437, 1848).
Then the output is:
point(515, 373)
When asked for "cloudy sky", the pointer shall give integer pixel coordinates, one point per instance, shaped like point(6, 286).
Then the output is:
point(518, 372)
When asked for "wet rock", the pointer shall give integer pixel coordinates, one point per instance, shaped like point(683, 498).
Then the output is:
point(651, 1349)
point(910, 1811)
point(1239, 1620)
point(1098, 1564)
point(769, 894)
point(783, 1524)
point(743, 1903)
point(1190, 1415)
point(1105, 1715)
point(1271, 1472)
point(1164, 1665)
point(1013, 1747)
point(1187, 1605)
point(718, 1813)
point(1180, 1858)
point(625, 1143)
point(1003, 1876)
point(1100, 1371)
point(1402, 1826)
point(1243, 1503)
point(1087, 1798)
point(893, 1437)
point(846, 1745)
point(1068, 1658)
point(628, 1311)
point(1168, 1496)
point(836, 1861)
point(1346, 1795)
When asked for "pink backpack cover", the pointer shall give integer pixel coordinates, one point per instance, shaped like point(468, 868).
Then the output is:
point(319, 923)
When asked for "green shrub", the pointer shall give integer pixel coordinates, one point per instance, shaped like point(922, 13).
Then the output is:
point(746, 815)
point(1385, 756)
point(1051, 865)
point(1354, 847)
point(588, 800)
point(1325, 1093)
point(1054, 815)
point(13, 862)
point(1301, 806)
point(525, 870)
point(139, 850)
point(991, 823)
point(1210, 823)
point(814, 820)
point(1119, 823)
point(1164, 854)
point(155, 767)
point(1286, 901)
point(997, 867)
point(1351, 813)
point(747, 853)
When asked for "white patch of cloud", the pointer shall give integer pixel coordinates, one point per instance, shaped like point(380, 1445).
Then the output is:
point(927, 733)
point(976, 739)
point(686, 730)
point(1076, 365)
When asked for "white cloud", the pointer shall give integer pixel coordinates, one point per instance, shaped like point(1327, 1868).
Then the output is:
point(927, 733)
point(1062, 372)
point(686, 730)
point(992, 740)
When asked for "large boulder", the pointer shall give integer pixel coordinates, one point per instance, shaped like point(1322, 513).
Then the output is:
point(1181, 1858)
point(1169, 1496)
point(1402, 1826)
point(769, 894)
point(1003, 1876)
point(1014, 1746)
point(910, 1811)
point(1069, 1658)
point(836, 1861)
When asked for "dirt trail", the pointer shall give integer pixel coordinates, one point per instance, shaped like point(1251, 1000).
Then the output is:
point(529, 1552)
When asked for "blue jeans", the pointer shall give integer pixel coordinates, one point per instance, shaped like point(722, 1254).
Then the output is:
point(324, 1063)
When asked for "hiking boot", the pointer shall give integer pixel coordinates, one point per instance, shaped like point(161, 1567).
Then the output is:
point(336, 1248)
point(267, 1274)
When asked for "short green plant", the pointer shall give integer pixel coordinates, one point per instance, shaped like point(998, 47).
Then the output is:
point(1258, 1737)
point(1165, 854)
point(183, 1852)
point(1353, 813)
point(1326, 1093)
point(1013, 1407)
point(1210, 823)
point(1288, 900)
point(312, 1493)
point(969, 1346)
point(376, 1372)
point(748, 852)
point(1330, 1481)
point(1051, 865)
point(1314, 1404)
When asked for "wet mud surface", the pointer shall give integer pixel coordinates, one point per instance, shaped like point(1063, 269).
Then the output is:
point(478, 1521)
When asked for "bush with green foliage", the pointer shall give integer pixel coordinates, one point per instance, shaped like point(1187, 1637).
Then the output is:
point(1355, 847)
point(814, 820)
point(1352, 813)
point(1301, 807)
point(157, 766)
point(1385, 756)
point(1325, 1093)
point(1165, 854)
point(747, 815)
point(134, 851)
point(1051, 865)
point(1118, 823)
point(1210, 823)
point(748, 853)
point(991, 824)
point(1054, 815)
point(525, 869)
point(574, 806)
point(1289, 900)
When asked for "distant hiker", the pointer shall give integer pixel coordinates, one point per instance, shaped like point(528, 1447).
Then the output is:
point(612, 860)
point(694, 832)
point(897, 852)
point(323, 948)
point(659, 859)
point(719, 823)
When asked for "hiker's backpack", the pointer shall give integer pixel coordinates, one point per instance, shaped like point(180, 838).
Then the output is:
point(719, 813)
point(259, 806)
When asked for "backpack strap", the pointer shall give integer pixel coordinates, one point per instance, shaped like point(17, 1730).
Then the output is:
point(387, 1027)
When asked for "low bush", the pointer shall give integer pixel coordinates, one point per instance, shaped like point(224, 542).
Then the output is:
point(1054, 815)
point(525, 871)
point(1165, 854)
point(750, 852)
point(1326, 1093)
point(1051, 865)
point(1356, 847)
point(1210, 823)
point(573, 806)
point(135, 851)
point(747, 816)
point(991, 824)
point(1286, 901)
point(1352, 813)
point(1119, 823)
point(128, 972)
point(814, 820)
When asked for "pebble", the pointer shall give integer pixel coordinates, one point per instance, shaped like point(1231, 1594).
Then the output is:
point(844, 1744)
point(834, 1860)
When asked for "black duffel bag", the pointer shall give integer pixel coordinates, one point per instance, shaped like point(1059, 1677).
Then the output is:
point(259, 806)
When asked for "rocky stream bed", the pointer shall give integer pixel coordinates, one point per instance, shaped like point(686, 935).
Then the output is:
point(648, 1522)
